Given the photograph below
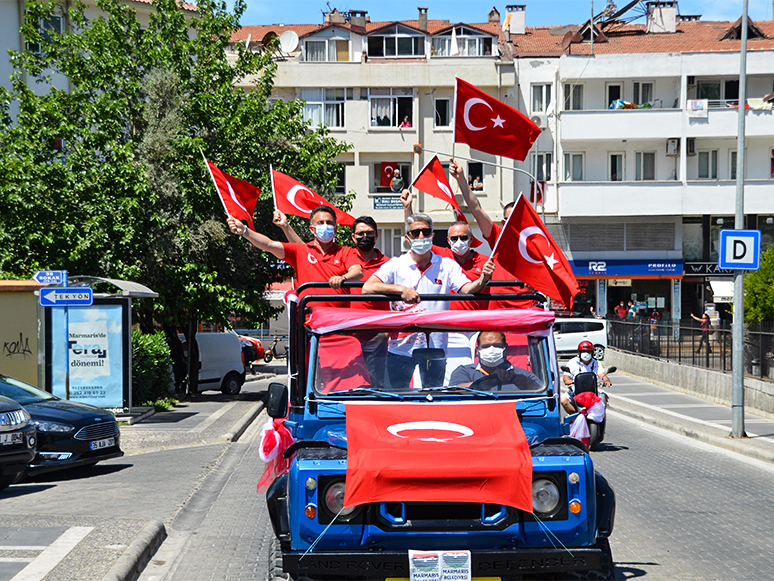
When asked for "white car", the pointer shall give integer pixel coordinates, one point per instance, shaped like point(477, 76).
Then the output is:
point(568, 333)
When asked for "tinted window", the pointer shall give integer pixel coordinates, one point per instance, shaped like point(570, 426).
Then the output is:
point(595, 326)
point(21, 392)
point(573, 328)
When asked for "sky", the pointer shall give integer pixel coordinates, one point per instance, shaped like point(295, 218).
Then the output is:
point(538, 12)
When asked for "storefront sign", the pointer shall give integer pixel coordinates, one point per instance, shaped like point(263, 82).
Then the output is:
point(628, 268)
point(619, 282)
point(705, 269)
point(387, 203)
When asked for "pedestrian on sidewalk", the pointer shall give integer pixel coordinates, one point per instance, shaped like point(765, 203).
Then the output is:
point(706, 328)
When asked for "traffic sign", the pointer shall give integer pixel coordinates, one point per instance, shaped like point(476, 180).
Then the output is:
point(49, 276)
point(66, 297)
point(740, 249)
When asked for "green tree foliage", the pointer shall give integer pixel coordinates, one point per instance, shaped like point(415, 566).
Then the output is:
point(759, 290)
point(151, 366)
point(102, 174)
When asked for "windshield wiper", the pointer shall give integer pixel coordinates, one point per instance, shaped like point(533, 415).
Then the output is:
point(463, 387)
point(363, 389)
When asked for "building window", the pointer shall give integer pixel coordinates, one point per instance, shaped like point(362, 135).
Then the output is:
point(396, 41)
point(389, 106)
point(573, 167)
point(708, 90)
point(573, 97)
point(326, 50)
point(732, 166)
point(541, 166)
point(708, 165)
point(476, 176)
point(614, 93)
point(645, 165)
point(47, 28)
point(390, 241)
point(462, 42)
point(442, 113)
point(716, 225)
point(693, 238)
point(541, 98)
point(643, 93)
point(341, 181)
point(616, 167)
point(325, 106)
point(376, 187)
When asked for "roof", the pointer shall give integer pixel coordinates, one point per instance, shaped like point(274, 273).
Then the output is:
point(690, 37)
point(183, 5)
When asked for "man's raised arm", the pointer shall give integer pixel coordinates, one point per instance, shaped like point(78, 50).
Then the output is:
point(281, 220)
point(263, 242)
point(482, 218)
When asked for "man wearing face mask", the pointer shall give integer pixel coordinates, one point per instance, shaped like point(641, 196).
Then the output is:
point(583, 362)
point(491, 350)
point(319, 260)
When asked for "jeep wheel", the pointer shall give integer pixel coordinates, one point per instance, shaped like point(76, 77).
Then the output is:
point(231, 384)
point(275, 572)
point(606, 571)
point(599, 352)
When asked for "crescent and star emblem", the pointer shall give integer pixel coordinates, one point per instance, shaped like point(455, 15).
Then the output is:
point(309, 257)
point(463, 431)
point(233, 197)
point(292, 197)
point(388, 171)
point(498, 121)
point(534, 231)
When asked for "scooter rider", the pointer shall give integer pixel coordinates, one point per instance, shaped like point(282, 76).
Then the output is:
point(584, 362)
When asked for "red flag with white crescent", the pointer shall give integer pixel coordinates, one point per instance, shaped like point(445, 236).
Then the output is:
point(409, 452)
point(388, 169)
point(293, 197)
point(238, 196)
point(527, 251)
point(491, 126)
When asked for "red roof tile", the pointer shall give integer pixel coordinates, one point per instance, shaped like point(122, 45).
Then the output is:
point(183, 5)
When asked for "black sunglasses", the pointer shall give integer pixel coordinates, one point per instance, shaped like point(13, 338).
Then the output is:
point(417, 231)
point(463, 237)
point(368, 234)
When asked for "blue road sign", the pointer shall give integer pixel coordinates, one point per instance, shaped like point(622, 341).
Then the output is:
point(66, 297)
point(49, 276)
point(740, 249)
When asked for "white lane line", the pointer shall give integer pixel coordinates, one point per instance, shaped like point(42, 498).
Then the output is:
point(53, 554)
point(22, 547)
point(689, 405)
point(210, 420)
point(16, 559)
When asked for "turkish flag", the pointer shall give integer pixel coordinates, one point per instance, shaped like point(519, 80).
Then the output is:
point(447, 452)
point(527, 251)
point(293, 197)
point(388, 168)
point(432, 180)
point(536, 193)
point(491, 126)
point(238, 196)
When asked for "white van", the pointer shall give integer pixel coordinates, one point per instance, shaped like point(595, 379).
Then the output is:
point(568, 333)
point(221, 366)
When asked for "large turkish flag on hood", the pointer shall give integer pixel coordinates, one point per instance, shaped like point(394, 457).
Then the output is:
point(489, 125)
point(439, 452)
point(238, 196)
point(527, 251)
point(293, 197)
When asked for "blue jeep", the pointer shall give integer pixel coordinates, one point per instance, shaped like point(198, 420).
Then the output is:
point(342, 356)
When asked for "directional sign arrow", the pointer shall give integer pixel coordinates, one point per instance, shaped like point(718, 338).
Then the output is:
point(49, 276)
point(66, 297)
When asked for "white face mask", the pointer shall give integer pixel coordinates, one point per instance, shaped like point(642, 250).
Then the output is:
point(585, 356)
point(325, 232)
point(460, 247)
point(421, 245)
point(491, 356)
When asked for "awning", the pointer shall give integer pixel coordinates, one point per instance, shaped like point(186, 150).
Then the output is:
point(637, 268)
point(722, 291)
point(127, 287)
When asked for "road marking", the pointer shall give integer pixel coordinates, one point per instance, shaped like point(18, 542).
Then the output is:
point(16, 559)
point(689, 405)
point(213, 417)
point(53, 554)
point(23, 547)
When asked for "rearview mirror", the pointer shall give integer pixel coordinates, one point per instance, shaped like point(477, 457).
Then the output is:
point(428, 354)
point(565, 368)
point(612, 369)
point(277, 406)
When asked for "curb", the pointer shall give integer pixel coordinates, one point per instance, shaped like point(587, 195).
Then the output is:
point(695, 429)
point(138, 553)
point(259, 377)
point(239, 428)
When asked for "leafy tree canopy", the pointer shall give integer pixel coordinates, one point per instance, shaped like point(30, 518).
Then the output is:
point(759, 290)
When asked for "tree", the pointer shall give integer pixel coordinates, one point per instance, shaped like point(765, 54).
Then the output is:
point(759, 290)
point(106, 178)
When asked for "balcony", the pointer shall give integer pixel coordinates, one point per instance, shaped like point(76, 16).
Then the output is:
point(621, 124)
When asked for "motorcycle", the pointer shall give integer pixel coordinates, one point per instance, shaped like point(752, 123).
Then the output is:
point(275, 351)
point(596, 418)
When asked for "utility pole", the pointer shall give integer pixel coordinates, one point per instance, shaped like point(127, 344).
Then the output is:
point(737, 330)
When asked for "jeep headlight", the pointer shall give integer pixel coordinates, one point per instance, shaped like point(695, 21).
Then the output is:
point(334, 499)
point(545, 496)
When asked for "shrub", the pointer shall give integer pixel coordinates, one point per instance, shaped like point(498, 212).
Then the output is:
point(151, 367)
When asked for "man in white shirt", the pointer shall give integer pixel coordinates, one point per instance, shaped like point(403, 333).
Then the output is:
point(420, 272)
point(584, 362)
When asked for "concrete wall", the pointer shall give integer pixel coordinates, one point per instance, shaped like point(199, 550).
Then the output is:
point(19, 330)
point(710, 385)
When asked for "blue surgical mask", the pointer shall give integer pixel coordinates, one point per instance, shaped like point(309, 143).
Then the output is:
point(325, 232)
point(421, 245)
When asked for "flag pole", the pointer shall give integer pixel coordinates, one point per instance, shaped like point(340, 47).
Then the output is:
point(516, 169)
point(273, 193)
point(504, 228)
point(217, 189)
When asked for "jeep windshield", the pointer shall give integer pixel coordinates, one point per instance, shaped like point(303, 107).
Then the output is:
point(475, 353)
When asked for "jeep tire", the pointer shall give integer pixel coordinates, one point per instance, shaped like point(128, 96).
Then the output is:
point(606, 571)
point(275, 572)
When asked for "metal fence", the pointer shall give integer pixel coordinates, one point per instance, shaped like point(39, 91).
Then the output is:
point(686, 344)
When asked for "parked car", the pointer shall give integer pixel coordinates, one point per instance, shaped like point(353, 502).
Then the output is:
point(253, 351)
point(568, 333)
point(220, 362)
point(69, 434)
point(17, 441)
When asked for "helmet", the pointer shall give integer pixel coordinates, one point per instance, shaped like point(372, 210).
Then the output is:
point(585, 346)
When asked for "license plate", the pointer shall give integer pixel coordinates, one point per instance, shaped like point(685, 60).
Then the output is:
point(473, 578)
point(12, 438)
point(105, 443)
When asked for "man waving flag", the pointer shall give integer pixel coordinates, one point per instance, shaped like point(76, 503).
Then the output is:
point(489, 125)
point(237, 196)
point(527, 250)
point(293, 197)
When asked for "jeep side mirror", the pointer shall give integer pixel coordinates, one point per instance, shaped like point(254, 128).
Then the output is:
point(612, 369)
point(565, 368)
point(277, 406)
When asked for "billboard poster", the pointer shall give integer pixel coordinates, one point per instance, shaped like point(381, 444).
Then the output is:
point(96, 354)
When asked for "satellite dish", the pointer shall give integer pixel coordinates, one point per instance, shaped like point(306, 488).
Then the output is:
point(288, 41)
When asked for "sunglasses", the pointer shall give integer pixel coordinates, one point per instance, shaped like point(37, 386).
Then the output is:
point(463, 237)
point(417, 231)
point(368, 234)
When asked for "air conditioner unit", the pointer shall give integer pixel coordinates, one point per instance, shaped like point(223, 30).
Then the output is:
point(691, 81)
point(673, 147)
point(540, 120)
point(690, 146)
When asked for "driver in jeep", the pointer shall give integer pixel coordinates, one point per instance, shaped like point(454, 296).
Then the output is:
point(584, 362)
point(493, 371)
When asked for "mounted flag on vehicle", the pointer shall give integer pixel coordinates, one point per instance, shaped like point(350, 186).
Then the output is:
point(388, 169)
point(237, 196)
point(293, 197)
point(527, 251)
point(489, 125)
point(415, 452)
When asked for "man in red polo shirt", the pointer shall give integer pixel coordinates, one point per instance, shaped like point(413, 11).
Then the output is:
point(319, 260)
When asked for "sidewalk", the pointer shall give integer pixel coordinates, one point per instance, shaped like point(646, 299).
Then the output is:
point(690, 416)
